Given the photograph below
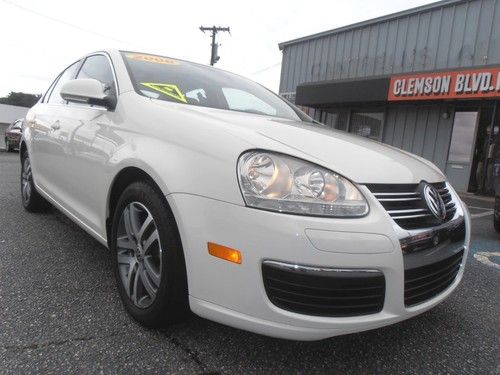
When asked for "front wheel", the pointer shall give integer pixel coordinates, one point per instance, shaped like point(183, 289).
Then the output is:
point(149, 261)
point(32, 200)
point(496, 221)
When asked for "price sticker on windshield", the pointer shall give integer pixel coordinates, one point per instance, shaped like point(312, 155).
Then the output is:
point(152, 59)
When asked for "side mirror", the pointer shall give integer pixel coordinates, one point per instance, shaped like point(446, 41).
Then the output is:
point(89, 91)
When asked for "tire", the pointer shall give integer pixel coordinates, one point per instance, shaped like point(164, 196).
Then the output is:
point(151, 277)
point(32, 200)
point(496, 222)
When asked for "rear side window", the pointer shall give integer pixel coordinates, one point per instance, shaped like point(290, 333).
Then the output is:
point(69, 73)
point(47, 94)
point(98, 67)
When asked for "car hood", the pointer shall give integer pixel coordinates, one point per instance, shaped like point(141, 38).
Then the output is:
point(357, 158)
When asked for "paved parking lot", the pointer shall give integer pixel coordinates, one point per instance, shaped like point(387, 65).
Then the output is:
point(59, 312)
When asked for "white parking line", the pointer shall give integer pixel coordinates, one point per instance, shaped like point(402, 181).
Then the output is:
point(484, 257)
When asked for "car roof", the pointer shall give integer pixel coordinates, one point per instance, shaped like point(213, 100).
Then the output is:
point(114, 52)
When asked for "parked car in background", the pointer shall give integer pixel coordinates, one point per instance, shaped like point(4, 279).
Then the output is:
point(496, 214)
point(216, 195)
point(13, 135)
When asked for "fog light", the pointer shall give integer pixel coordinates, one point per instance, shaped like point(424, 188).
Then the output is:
point(224, 252)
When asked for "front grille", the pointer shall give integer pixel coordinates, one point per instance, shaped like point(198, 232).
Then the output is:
point(406, 205)
point(425, 282)
point(324, 292)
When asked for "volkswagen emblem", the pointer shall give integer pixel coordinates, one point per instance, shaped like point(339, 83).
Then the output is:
point(434, 202)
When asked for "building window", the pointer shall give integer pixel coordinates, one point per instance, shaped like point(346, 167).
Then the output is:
point(367, 124)
point(311, 112)
point(290, 96)
point(336, 119)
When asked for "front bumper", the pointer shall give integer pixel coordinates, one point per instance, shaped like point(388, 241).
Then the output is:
point(235, 295)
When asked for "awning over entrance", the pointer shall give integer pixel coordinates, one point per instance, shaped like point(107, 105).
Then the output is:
point(326, 93)
point(478, 83)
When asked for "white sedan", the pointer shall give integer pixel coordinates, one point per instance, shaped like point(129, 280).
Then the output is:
point(217, 196)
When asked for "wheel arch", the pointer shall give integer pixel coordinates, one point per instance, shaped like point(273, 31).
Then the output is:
point(22, 149)
point(124, 178)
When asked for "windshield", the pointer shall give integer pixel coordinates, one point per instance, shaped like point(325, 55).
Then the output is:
point(189, 83)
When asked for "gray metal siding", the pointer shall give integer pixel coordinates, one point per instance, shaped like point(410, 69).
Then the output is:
point(421, 130)
point(460, 34)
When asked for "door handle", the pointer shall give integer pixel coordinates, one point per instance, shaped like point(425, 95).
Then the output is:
point(55, 125)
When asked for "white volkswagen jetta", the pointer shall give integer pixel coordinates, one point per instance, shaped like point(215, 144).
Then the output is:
point(217, 195)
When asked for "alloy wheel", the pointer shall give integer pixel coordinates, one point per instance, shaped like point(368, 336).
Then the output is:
point(26, 180)
point(139, 254)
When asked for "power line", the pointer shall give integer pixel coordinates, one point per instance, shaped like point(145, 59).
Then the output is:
point(267, 68)
point(63, 22)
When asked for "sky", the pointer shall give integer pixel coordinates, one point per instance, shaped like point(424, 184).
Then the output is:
point(41, 38)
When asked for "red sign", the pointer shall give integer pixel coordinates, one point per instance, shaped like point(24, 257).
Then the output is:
point(477, 83)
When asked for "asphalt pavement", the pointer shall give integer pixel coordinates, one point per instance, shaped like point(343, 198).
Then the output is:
point(60, 313)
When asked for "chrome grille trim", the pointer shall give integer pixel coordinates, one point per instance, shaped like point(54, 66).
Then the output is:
point(406, 206)
point(303, 268)
point(399, 199)
point(416, 210)
point(410, 216)
point(385, 194)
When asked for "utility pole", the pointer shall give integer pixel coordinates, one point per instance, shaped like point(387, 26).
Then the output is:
point(214, 57)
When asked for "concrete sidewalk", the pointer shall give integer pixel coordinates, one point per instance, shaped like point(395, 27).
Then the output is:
point(478, 204)
point(472, 196)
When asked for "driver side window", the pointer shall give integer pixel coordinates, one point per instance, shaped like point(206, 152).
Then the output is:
point(98, 67)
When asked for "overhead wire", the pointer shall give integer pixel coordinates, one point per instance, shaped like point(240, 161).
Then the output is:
point(266, 69)
point(63, 22)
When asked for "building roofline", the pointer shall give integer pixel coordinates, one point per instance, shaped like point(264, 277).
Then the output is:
point(388, 17)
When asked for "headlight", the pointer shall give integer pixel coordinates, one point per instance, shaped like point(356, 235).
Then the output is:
point(277, 182)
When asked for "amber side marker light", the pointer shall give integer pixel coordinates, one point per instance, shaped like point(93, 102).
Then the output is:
point(224, 252)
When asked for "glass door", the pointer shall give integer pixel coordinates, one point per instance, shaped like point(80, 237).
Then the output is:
point(459, 165)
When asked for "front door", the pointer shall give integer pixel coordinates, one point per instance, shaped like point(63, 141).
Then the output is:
point(459, 165)
point(87, 140)
point(46, 152)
